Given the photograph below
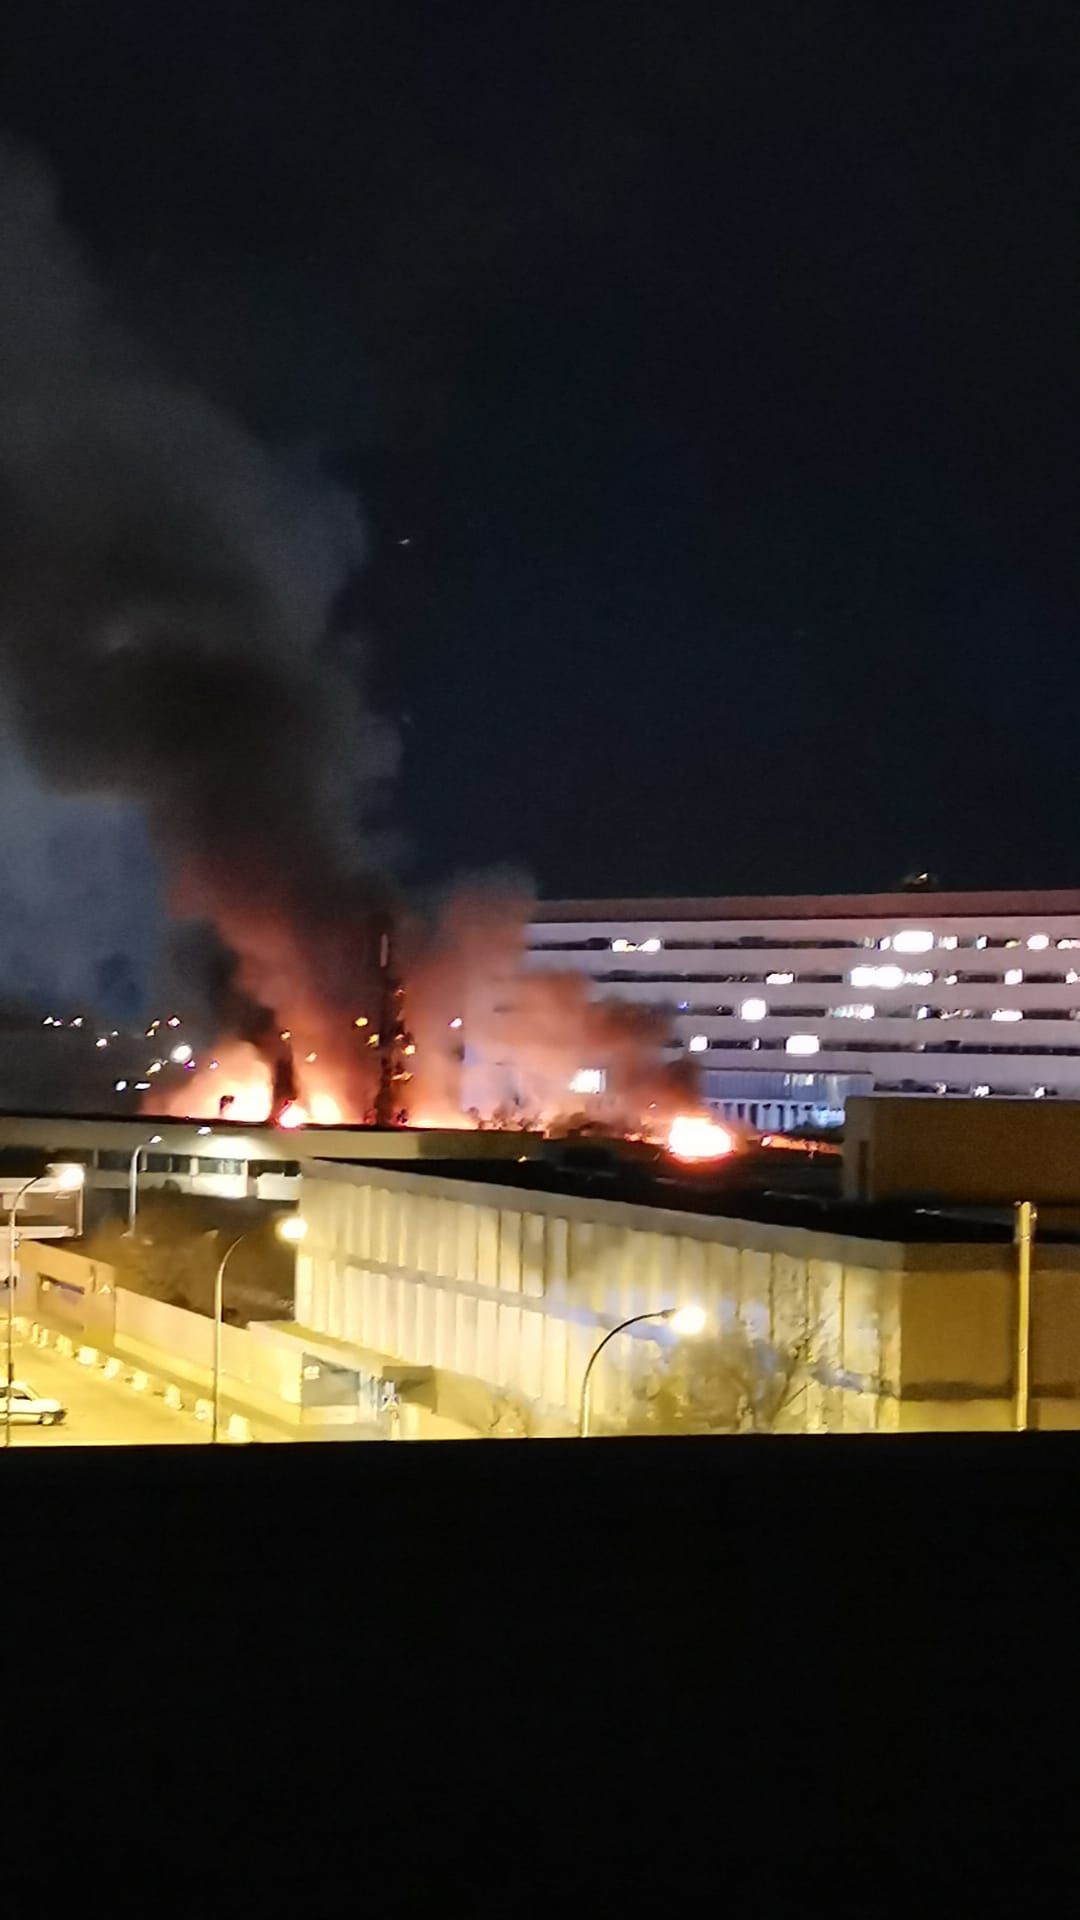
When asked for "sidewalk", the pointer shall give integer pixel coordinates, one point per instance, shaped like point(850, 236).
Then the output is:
point(194, 1384)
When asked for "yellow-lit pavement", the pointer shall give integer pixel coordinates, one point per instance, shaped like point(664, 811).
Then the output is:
point(100, 1412)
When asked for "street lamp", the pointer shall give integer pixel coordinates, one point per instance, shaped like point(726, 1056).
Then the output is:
point(289, 1228)
point(687, 1321)
point(133, 1177)
point(67, 1176)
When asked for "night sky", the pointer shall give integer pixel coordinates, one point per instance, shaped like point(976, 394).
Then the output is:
point(719, 366)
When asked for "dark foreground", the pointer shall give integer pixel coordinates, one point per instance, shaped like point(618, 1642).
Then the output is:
point(845, 1652)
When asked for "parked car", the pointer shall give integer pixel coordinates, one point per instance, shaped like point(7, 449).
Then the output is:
point(30, 1407)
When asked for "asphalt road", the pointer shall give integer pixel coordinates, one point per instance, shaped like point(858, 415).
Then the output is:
point(101, 1412)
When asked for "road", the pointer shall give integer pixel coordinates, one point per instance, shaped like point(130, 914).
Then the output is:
point(101, 1412)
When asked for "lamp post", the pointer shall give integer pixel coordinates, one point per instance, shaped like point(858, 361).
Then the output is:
point(685, 1320)
point(133, 1177)
point(289, 1228)
point(67, 1175)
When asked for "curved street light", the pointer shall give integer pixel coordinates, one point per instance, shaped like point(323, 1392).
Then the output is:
point(687, 1321)
point(133, 1177)
point(290, 1228)
point(66, 1175)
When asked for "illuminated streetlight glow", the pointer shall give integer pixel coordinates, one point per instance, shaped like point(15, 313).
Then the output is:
point(686, 1320)
point(291, 1228)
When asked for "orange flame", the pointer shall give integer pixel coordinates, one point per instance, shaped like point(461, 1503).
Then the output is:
point(693, 1137)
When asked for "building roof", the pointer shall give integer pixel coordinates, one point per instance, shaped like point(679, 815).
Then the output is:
point(825, 906)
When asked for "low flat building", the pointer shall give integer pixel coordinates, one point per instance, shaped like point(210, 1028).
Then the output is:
point(790, 1004)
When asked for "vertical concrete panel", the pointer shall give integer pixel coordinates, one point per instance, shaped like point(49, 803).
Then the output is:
point(468, 1243)
point(362, 1223)
point(467, 1312)
point(722, 1284)
point(755, 1292)
point(557, 1254)
point(862, 1347)
point(445, 1328)
point(690, 1273)
point(407, 1291)
point(509, 1345)
point(447, 1237)
point(554, 1356)
point(790, 1301)
point(428, 1253)
point(303, 1290)
point(582, 1263)
point(510, 1250)
point(487, 1248)
point(487, 1339)
point(825, 1291)
point(531, 1355)
point(424, 1337)
point(408, 1231)
point(532, 1254)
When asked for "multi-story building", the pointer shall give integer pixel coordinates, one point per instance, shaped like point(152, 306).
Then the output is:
point(792, 1003)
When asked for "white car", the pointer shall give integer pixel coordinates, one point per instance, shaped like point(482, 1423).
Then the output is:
point(28, 1406)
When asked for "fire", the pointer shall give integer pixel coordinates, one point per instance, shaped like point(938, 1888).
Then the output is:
point(693, 1137)
point(292, 1115)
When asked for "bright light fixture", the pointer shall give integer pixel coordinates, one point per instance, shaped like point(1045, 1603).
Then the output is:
point(753, 1009)
point(291, 1228)
point(697, 1043)
point(119, 1086)
point(68, 1175)
point(1006, 1013)
point(1013, 976)
point(650, 946)
point(888, 977)
point(1037, 941)
point(779, 979)
point(913, 940)
point(688, 1321)
point(181, 1054)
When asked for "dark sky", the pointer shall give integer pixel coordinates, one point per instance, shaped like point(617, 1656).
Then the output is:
point(719, 364)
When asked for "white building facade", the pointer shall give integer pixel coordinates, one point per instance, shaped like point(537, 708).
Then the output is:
point(790, 1003)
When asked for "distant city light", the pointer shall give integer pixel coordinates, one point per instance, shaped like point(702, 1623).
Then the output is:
point(980, 1092)
point(779, 979)
point(1037, 941)
point(1006, 1013)
point(753, 1009)
point(173, 1020)
point(119, 1086)
point(698, 1042)
point(948, 941)
point(1013, 976)
point(311, 1058)
point(651, 946)
point(913, 940)
point(181, 1054)
point(102, 1042)
point(455, 1022)
point(142, 1086)
point(214, 1065)
point(362, 1020)
point(888, 977)
point(78, 1020)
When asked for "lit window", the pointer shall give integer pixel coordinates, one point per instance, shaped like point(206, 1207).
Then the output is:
point(1006, 1013)
point(119, 1086)
point(921, 1013)
point(951, 979)
point(948, 941)
point(802, 1043)
point(650, 946)
point(981, 941)
point(1072, 977)
point(980, 1092)
point(918, 979)
point(1038, 1093)
point(1067, 944)
point(885, 944)
point(589, 1080)
point(876, 976)
point(698, 1042)
point(1013, 976)
point(753, 1010)
point(622, 946)
point(779, 979)
point(913, 940)
point(1037, 941)
point(859, 1010)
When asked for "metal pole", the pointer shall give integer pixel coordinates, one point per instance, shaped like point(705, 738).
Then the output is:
point(663, 1313)
point(219, 1308)
point(11, 1303)
point(1025, 1219)
point(133, 1187)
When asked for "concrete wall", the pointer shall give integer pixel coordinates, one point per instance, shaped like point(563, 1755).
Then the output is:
point(986, 1151)
point(507, 1293)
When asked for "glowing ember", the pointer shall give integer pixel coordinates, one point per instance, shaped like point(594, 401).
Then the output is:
point(692, 1137)
point(292, 1115)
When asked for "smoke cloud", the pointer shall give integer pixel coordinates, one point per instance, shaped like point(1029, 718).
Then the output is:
point(168, 593)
